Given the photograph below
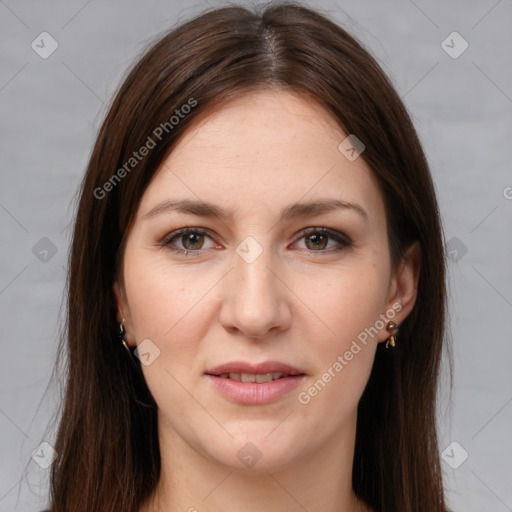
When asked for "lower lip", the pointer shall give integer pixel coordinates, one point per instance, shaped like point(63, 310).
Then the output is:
point(255, 393)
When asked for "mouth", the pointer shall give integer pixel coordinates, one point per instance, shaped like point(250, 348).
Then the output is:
point(255, 377)
point(250, 384)
point(242, 371)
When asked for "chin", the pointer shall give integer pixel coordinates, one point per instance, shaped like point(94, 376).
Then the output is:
point(257, 451)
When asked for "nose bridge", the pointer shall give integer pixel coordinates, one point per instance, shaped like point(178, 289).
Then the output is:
point(254, 299)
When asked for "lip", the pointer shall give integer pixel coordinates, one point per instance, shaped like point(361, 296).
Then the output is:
point(254, 393)
point(244, 367)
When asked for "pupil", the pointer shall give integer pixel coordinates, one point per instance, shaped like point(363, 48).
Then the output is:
point(192, 239)
point(317, 240)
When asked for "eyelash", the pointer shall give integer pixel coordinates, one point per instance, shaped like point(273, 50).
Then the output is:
point(341, 238)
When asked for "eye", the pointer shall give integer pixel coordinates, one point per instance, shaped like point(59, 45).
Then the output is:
point(317, 239)
point(191, 239)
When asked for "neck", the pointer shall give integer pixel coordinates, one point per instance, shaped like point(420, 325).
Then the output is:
point(318, 481)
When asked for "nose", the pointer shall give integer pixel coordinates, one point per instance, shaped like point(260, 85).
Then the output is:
point(255, 298)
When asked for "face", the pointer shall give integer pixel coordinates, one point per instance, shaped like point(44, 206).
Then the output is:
point(258, 287)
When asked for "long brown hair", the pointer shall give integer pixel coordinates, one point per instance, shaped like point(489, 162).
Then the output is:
point(107, 438)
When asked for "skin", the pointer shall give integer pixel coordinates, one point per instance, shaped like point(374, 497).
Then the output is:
point(254, 156)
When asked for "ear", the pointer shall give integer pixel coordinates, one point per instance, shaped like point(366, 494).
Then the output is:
point(403, 288)
point(122, 311)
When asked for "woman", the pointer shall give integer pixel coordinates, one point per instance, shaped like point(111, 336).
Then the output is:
point(256, 299)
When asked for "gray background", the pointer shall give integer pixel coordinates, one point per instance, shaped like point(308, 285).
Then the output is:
point(51, 109)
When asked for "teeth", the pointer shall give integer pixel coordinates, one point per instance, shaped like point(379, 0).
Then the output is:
point(260, 377)
point(251, 377)
point(265, 377)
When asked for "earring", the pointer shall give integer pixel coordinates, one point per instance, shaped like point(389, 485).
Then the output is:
point(122, 332)
point(391, 327)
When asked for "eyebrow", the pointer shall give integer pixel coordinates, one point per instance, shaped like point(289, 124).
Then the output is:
point(296, 210)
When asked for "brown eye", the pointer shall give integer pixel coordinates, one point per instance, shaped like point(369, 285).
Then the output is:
point(314, 242)
point(318, 240)
point(188, 241)
point(192, 241)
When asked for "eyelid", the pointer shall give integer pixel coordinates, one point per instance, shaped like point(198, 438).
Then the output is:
point(333, 233)
point(186, 230)
point(166, 241)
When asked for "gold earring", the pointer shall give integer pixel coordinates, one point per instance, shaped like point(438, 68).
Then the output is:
point(391, 327)
point(122, 332)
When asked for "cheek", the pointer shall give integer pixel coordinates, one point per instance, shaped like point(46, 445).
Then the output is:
point(344, 359)
point(167, 306)
point(349, 308)
point(164, 298)
point(347, 301)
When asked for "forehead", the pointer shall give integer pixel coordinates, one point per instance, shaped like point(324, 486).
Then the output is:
point(260, 152)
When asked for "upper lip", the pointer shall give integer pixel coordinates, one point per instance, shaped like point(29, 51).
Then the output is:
point(245, 367)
